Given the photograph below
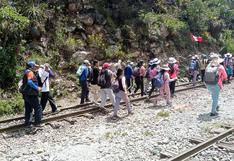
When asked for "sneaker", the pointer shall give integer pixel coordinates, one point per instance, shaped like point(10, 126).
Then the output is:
point(217, 108)
point(38, 125)
point(56, 111)
point(130, 113)
point(213, 114)
point(115, 117)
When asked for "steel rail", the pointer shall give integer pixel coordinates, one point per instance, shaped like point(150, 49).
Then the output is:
point(202, 146)
point(80, 112)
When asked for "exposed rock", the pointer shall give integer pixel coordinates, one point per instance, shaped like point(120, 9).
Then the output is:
point(87, 20)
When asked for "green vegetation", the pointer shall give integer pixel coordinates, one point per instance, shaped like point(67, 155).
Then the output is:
point(163, 113)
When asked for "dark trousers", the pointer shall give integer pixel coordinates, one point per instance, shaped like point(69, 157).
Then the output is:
point(139, 84)
point(152, 87)
point(202, 75)
point(172, 87)
point(84, 91)
point(32, 103)
point(128, 82)
point(46, 96)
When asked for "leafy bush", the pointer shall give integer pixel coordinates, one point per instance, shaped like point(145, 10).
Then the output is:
point(12, 105)
point(96, 41)
point(114, 51)
point(228, 40)
point(12, 25)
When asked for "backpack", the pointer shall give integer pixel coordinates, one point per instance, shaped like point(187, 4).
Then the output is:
point(115, 86)
point(79, 71)
point(136, 72)
point(102, 79)
point(211, 75)
point(158, 81)
point(193, 65)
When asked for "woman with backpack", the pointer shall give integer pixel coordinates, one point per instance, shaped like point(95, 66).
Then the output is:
point(121, 92)
point(164, 91)
point(215, 74)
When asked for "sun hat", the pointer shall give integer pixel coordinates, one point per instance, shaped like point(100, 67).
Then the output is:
point(86, 62)
point(165, 67)
point(172, 60)
point(228, 55)
point(106, 65)
point(216, 61)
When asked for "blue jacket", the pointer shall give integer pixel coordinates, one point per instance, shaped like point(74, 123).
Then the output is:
point(83, 69)
point(128, 72)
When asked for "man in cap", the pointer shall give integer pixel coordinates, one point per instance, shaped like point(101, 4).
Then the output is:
point(45, 73)
point(82, 74)
point(30, 91)
point(139, 77)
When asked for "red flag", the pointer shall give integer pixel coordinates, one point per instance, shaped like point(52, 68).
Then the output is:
point(196, 38)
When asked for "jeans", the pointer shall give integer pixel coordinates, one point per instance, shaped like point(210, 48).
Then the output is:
point(118, 96)
point(107, 92)
point(172, 87)
point(195, 73)
point(214, 91)
point(32, 102)
point(46, 96)
point(84, 91)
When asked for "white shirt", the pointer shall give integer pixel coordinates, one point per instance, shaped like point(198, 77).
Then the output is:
point(44, 75)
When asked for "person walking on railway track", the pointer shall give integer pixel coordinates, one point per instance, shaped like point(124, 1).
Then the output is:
point(215, 74)
point(228, 66)
point(30, 91)
point(105, 83)
point(45, 73)
point(163, 79)
point(128, 73)
point(173, 73)
point(203, 64)
point(139, 74)
point(83, 73)
point(120, 90)
point(194, 69)
point(155, 68)
point(94, 72)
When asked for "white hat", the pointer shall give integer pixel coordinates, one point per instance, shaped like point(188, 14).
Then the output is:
point(131, 63)
point(165, 67)
point(228, 55)
point(216, 61)
point(172, 60)
point(86, 62)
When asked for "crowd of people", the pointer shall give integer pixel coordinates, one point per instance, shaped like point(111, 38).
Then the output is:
point(118, 80)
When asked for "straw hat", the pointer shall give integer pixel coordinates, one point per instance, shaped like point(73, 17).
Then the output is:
point(172, 60)
point(165, 67)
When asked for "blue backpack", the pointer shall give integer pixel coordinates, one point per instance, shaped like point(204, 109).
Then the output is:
point(193, 65)
point(158, 80)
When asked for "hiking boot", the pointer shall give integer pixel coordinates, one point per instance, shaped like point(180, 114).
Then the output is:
point(115, 117)
point(82, 102)
point(213, 114)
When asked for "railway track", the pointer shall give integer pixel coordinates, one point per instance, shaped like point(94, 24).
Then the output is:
point(203, 145)
point(80, 109)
